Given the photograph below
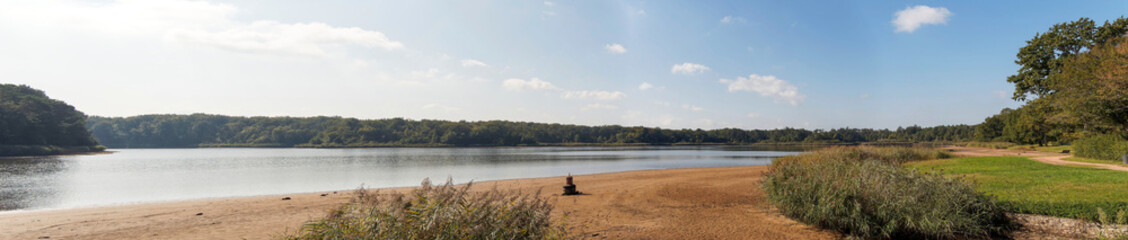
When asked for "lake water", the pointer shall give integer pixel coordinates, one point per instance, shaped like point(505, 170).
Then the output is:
point(149, 175)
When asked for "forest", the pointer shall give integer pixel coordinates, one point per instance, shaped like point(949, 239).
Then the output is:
point(203, 130)
point(33, 124)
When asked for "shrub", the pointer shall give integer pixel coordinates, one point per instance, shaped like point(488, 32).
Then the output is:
point(1104, 146)
point(863, 192)
point(437, 212)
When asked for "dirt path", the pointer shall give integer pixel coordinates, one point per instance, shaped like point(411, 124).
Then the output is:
point(1045, 157)
point(703, 203)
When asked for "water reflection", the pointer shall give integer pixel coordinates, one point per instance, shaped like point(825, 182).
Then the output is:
point(145, 175)
point(29, 182)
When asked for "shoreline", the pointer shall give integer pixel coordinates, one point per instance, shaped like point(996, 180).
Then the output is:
point(59, 154)
point(662, 203)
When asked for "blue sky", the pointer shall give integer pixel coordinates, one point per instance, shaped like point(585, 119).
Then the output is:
point(690, 64)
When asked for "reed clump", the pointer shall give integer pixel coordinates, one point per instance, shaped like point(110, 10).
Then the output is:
point(437, 212)
point(865, 193)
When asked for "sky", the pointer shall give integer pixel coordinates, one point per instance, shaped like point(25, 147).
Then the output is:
point(668, 64)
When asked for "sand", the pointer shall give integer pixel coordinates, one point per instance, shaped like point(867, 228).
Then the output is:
point(701, 203)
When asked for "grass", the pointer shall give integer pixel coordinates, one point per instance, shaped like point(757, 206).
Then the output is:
point(1033, 187)
point(437, 212)
point(864, 192)
point(1090, 160)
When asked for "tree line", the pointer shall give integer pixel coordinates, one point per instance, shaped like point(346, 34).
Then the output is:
point(1073, 80)
point(196, 130)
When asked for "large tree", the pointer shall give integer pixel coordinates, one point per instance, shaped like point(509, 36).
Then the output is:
point(1092, 94)
point(1042, 58)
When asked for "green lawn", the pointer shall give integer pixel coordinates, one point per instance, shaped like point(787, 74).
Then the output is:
point(1039, 188)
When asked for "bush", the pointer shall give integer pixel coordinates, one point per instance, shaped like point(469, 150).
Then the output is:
point(864, 192)
point(1104, 146)
point(437, 212)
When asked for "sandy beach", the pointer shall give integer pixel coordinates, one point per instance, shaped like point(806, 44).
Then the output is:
point(699, 203)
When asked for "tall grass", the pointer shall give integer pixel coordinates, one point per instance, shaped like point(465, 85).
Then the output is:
point(1104, 146)
point(437, 212)
point(890, 155)
point(865, 193)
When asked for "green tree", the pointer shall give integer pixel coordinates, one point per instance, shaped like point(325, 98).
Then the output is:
point(1092, 95)
point(1042, 58)
point(29, 117)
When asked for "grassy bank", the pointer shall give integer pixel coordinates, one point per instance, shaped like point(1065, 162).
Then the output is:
point(40, 150)
point(437, 212)
point(1037, 188)
point(865, 192)
point(1090, 160)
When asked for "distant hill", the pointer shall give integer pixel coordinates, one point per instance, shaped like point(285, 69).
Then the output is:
point(204, 130)
point(33, 124)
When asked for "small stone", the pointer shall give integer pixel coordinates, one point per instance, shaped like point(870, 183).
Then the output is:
point(285, 198)
point(324, 194)
point(44, 237)
point(594, 234)
point(198, 214)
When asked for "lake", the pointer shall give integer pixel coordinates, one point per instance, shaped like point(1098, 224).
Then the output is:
point(151, 175)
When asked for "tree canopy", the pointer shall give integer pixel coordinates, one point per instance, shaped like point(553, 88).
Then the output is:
point(29, 117)
point(1042, 58)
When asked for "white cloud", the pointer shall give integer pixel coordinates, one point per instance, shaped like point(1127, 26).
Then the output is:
point(473, 63)
point(549, 13)
point(191, 22)
point(731, 19)
point(534, 84)
point(864, 96)
point(274, 37)
point(547, 3)
point(645, 86)
point(118, 17)
point(692, 108)
point(689, 68)
point(598, 106)
point(594, 95)
point(436, 106)
point(615, 48)
point(768, 86)
point(911, 18)
point(753, 115)
point(663, 103)
point(429, 73)
point(640, 12)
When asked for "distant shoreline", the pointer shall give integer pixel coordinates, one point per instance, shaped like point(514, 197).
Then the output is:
point(25, 151)
point(784, 144)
